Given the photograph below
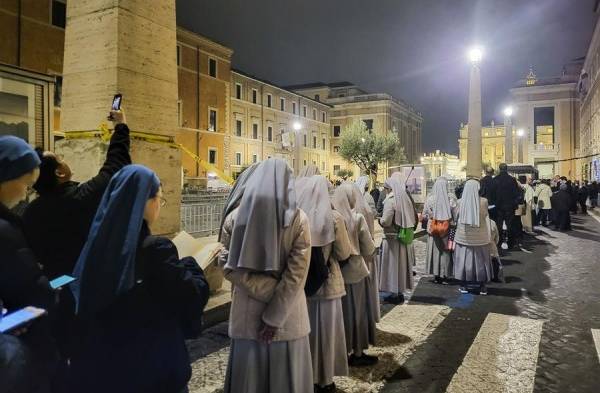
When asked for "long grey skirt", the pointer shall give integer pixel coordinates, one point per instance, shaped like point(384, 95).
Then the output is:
point(327, 340)
point(359, 328)
point(397, 260)
point(373, 288)
point(282, 366)
point(439, 261)
point(473, 263)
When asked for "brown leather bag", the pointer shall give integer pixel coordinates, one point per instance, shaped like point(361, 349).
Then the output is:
point(439, 228)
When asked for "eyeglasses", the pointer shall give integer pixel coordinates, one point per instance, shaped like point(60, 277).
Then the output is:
point(163, 202)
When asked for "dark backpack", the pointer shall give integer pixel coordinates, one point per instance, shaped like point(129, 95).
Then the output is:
point(318, 271)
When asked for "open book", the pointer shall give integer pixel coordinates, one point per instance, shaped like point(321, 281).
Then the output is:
point(204, 252)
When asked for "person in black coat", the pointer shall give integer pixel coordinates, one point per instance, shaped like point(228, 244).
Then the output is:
point(136, 300)
point(28, 358)
point(488, 191)
point(561, 204)
point(593, 188)
point(582, 196)
point(58, 221)
point(507, 197)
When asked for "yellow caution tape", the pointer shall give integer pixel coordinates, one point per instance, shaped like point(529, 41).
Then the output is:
point(104, 133)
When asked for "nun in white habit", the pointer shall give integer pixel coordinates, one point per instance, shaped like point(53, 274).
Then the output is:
point(366, 206)
point(308, 171)
point(355, 304)
point(440, 206)
point(472, 259)
point(327, 232)
point(397, 259)
point(266, 258)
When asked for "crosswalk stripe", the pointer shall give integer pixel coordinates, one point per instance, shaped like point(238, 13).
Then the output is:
point(596, 337)
point(502, 358)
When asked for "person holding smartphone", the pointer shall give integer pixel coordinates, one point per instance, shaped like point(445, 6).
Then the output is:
point(22, 283)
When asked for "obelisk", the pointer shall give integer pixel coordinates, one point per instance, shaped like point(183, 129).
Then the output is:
point(508, 137)
point(127, 47)
point(474, 136)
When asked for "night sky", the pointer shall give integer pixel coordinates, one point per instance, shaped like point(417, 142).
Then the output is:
point(412, 49)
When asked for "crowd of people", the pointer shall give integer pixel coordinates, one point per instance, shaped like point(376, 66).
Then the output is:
point(307, 275)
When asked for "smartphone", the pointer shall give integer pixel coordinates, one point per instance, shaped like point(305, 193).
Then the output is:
point(61, 281)
point(116, 104)
point(19, 318)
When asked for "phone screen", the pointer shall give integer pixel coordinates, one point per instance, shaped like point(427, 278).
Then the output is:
point(61, 281)
point(20, 318)
point(116, 105)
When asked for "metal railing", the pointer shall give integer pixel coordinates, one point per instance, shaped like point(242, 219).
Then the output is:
point(201, 213)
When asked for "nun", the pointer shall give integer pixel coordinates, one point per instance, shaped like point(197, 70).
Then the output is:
point(136, 301)
point(472, 254)
point(366, 206)
point(308, 171)
point(329, 237)
point(397, 258)
point(267, 248)
point(355, 272)
point(438, 209)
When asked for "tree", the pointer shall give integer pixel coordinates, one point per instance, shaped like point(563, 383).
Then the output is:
point(367, 150)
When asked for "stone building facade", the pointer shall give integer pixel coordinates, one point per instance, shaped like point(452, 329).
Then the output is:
point(262, 125)
point(492, 144)
point(442, 164)
point(380, 112)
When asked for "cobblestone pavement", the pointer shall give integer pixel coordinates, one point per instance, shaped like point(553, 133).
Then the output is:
point(531, 333)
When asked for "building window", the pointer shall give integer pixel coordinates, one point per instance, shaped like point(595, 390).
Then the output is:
point(269, 100)
point(254, 96)
point(323, 117)
point(254, 131)
point(323, 140)
point(337, 130)
point(238, 128)
point(294, 108)
point(59, 13)
point(304, 111)
point(238, 158)
point(238, 91)
point(270, 134)
point(179, 113)
point(282, 104)
point(336, 149)
point(254, 158)
point(212, 120)
point(314, 114)
point(314, 145)
point(323, 166)
point(304, 162)
point(543, 122)
point(317, 97)
point(178, 54)
point(341, 95)
point(368, 124)
point(304, 141)
point(336, 169)
point(212, 155)
point(212, 67)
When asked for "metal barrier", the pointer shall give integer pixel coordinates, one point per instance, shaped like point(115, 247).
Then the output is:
point(202, 218)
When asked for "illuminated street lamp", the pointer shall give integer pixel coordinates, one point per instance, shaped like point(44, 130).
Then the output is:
point(474, 141)
point(508, 133)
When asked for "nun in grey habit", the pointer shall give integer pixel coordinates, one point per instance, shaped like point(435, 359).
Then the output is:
point(266, 258)
point(327, 232)
point(355, 304)
point(440, 205)
point(397, 258)
point(366, 206)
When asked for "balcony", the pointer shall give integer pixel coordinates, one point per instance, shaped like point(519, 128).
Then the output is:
point(545, 147)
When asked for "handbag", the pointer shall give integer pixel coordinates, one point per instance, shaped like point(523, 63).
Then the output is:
point(406, 235)
point(439, 228)
point(318, 272)
point(450, 245)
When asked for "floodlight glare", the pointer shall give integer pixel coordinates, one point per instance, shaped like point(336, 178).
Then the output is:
point(297, 126)
point(508, 111)
point(475, 54)
point(520, 132)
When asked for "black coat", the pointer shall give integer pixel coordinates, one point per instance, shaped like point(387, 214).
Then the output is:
point(137, 344)
point(507, 192)
point(487, 189)
point(22, 284)
point(57, 224)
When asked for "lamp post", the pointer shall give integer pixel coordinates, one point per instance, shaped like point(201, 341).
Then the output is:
point(474, 141)
point(508, 137)
point(521, 135)
point(297, 128)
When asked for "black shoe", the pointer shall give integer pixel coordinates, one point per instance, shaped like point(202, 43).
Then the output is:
point(325, 389)
point(362, 361)
point(395, 299)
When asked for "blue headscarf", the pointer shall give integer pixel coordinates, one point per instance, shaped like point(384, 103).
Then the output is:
point(16, 158)
point(106, 267)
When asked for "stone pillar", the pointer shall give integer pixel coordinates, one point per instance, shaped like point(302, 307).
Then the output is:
point(129, 47)
point(474, 136)
point(508, 140)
